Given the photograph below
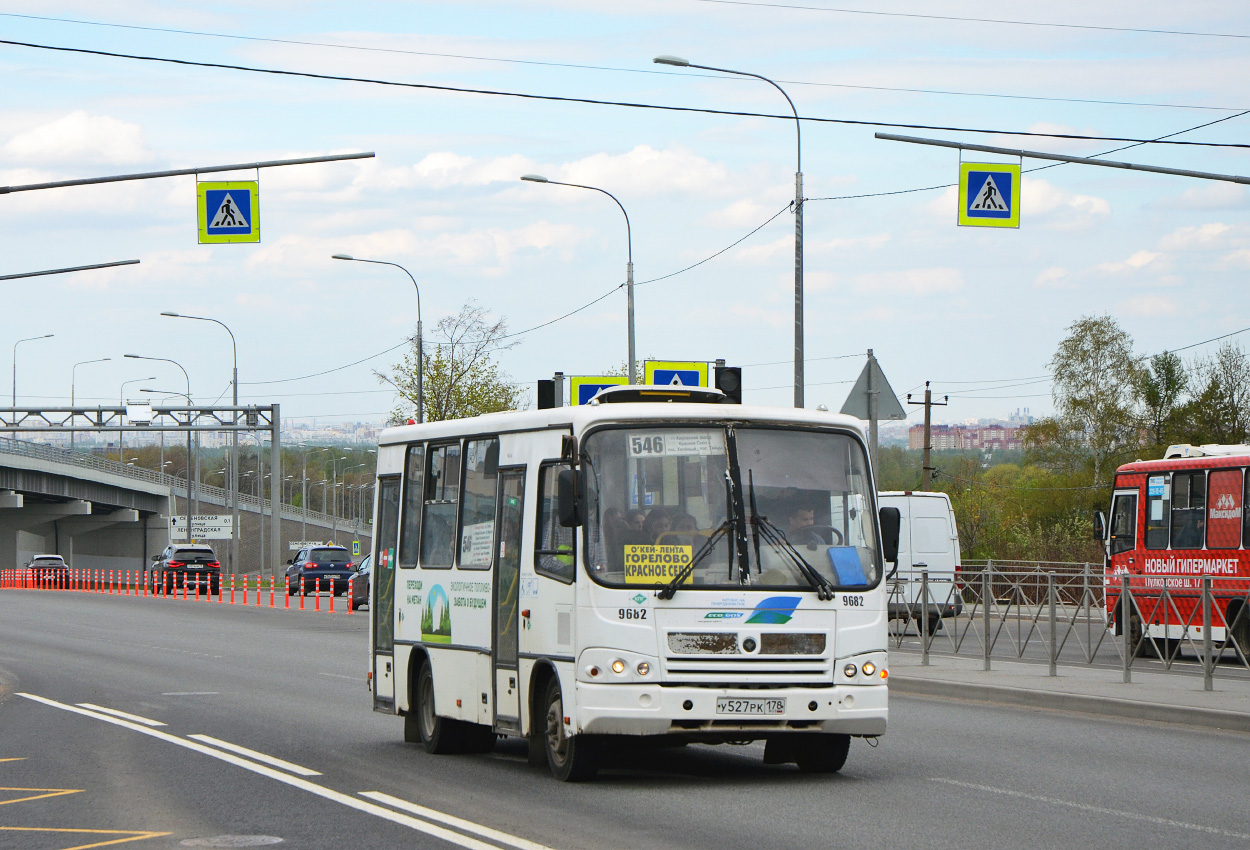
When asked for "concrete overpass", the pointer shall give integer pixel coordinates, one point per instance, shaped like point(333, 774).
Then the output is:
point(101, 514)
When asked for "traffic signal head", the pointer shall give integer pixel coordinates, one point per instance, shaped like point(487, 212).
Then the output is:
point(729, 381)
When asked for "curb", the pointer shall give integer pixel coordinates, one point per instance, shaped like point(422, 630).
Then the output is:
point(1082, 703)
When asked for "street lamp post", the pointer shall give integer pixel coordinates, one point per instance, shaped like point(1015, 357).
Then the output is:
point(234, 435)
point(420, 347)
point(629, 265)
point(73, 379)
point(678, 62)
point(15, 345)
point(189, 418)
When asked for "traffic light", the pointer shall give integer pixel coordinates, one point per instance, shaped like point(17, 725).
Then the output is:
point(729, 381)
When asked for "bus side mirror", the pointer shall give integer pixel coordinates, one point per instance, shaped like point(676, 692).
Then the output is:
point(891, 520)
point(156, 557)
point(568, 499)
point(1100, 526)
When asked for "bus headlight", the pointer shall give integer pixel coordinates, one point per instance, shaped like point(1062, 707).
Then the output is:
point(849, 671)
point(618, 666)
point(869, 668)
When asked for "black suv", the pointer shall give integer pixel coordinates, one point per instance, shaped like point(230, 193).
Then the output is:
point(318, 568)
point(191, 565)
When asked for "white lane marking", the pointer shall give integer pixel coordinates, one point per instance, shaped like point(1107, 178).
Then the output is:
point(458, 823)
point(122, 714)
point(340, 676)
point(191, 694)
point(1085, 807)
point(254, 755)
point(285, 778)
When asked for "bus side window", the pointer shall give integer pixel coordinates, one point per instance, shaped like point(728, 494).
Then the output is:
point(1224, 513)
point(442, 497)
point(1189, 502)
point(414, 500)
point(1124, 524)
point(1158, 512)
point(553, 543)
point(477, 518)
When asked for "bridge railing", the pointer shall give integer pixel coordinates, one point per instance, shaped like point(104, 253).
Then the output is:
point(85, 460)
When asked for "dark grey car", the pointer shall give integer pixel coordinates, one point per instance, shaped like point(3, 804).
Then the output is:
point(190, 565)
point(361, 582)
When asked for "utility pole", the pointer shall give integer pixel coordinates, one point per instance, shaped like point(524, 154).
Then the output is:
point(926, 471)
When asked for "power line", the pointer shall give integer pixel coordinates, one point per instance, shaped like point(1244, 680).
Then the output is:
point(963, 19)
point(606, 68)
point(598, 102)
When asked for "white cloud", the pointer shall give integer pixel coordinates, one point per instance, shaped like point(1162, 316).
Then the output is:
point(1203, 237)
point(911, 281)
point(653, 172)
point(1150, 306)
point(1055, 277)
point(1060, 209)
point(741, 213)
point(1210, 196)
point(1137, 261)
point(79, 137)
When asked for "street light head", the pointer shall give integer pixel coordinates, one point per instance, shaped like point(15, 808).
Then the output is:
point(341, 257)
point(172, 315)
point(671, 60)
point(534, 178)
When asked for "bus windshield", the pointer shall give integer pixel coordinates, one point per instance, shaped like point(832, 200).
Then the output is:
point(749, 506)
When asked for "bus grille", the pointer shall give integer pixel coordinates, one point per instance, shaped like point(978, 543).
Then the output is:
point(740, 670)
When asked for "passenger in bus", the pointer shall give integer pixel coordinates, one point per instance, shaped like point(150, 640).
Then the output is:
point(616, 534)
point(685, 523)
point(636, 519)
point(658, 522)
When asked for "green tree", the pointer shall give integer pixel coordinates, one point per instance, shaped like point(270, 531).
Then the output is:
point(1159, 389)
point(461, 378)
point(1094, 376)
point(1220, 409)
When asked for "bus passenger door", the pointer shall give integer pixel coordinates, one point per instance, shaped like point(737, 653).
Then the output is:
point(507, 580)
point(382, 600)
point(1122, 536)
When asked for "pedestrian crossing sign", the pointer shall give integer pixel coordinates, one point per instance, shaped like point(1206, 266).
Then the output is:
point(675, 373)
point(583, 388)
point(229, 211)
point(989, 194)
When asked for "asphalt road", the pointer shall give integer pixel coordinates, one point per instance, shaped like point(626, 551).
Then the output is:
point(290, 685)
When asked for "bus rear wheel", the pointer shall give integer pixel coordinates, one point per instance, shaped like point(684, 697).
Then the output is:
point(439, 735)
point(822, 753)
point(572, 758)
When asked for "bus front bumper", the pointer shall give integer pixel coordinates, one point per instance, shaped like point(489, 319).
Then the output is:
point(636, 709)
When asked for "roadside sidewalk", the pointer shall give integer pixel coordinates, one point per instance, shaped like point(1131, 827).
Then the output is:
point(1173, 697)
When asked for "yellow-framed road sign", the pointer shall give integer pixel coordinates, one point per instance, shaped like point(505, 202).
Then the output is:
point(989, 194)
point(228, 211)
point(675, 373)
point(582, 388)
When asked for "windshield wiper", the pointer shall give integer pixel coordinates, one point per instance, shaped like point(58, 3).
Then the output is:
point(736, 510)
point(823, 587)
point(670, 589)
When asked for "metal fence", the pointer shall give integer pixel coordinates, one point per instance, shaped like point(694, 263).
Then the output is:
point(178, 486)
point(1060, 611)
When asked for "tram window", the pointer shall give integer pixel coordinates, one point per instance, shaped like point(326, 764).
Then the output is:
point(1158, 512)
point(477, 517)
point(442, 498)
point(414, 500)
point(1189, 502)
point(553, 543)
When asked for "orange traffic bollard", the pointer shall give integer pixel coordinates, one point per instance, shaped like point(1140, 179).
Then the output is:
point(286, 594)
point(273, 590)
point(303, 592)
point(232, 588)
point(317, 598)
point(350, 596)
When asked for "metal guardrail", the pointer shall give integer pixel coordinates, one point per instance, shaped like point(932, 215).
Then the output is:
point(1057, 610)
point(177, 485)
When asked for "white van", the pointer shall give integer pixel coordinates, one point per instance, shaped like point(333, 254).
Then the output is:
point(927, 540)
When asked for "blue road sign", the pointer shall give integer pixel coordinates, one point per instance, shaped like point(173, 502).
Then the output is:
point(677, 377)
point(229, 211)
point(989, 195)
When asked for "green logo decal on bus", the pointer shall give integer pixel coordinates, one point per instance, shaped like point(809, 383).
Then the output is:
point(436, 617)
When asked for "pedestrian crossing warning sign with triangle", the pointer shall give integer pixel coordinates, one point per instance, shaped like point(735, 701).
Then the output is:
point(228, 211)
point(989, 194)
point(230, 215)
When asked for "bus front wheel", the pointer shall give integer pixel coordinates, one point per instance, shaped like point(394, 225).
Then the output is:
point(822, 753)
point(572, 758)
point(439, 735)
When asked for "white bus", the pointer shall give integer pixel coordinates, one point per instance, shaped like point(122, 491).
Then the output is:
point(655, 565)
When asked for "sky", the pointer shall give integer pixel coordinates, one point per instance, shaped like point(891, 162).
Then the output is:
point(976, 311)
